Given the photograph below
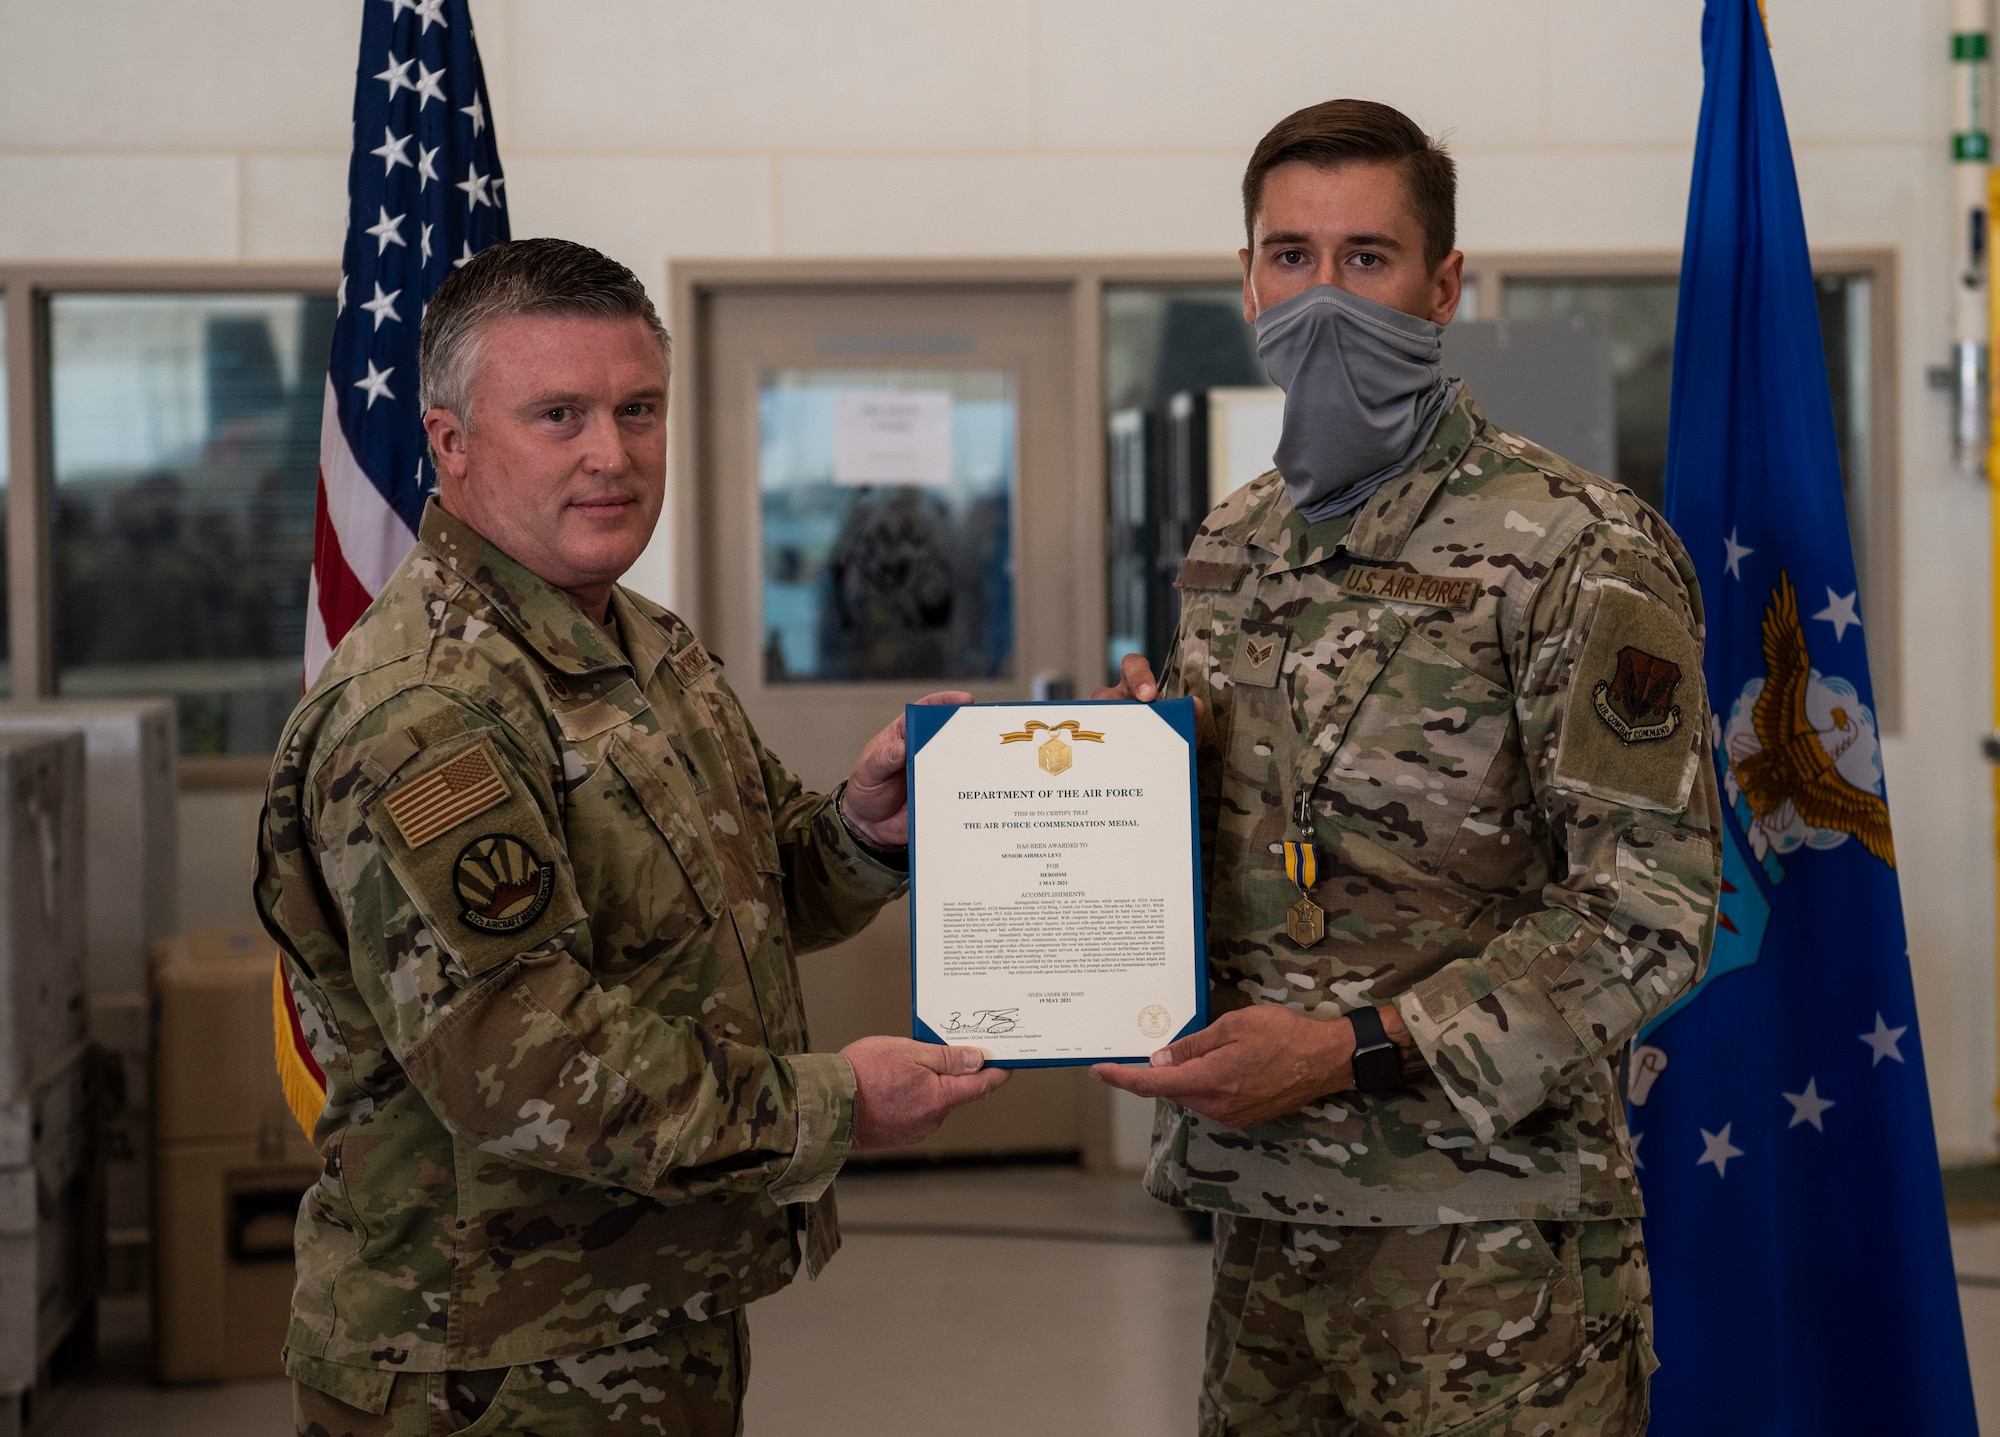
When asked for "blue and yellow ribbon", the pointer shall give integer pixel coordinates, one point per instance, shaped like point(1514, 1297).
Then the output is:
point(1302, 865)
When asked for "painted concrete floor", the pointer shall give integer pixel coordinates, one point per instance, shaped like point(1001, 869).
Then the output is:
point(985, 1302)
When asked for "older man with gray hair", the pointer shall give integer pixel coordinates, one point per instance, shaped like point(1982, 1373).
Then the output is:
point(538, 888)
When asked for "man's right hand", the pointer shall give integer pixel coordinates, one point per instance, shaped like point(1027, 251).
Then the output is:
point(904, 1089)
point(1135, 681)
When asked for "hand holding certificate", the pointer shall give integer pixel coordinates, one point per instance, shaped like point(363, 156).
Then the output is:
point(1055, 880)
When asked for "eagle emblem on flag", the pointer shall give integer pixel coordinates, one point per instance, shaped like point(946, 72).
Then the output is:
point(1802, 749)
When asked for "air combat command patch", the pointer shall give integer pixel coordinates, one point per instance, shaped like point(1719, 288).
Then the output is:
point(1637, 701)
point(502, 884)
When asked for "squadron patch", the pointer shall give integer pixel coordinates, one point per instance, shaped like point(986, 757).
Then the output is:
point(1637, 701)
point(502, 884)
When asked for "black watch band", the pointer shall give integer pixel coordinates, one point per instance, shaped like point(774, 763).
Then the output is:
point(896, 858)
point(1378, 1064)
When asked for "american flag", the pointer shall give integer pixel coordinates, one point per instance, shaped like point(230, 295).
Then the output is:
point(423, 197)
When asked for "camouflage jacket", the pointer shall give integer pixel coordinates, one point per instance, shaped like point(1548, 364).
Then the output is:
point(538, 895)
point(1481, 700)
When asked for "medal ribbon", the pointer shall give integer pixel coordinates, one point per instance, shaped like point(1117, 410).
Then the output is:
point(1302, 866)
point(1076, 730)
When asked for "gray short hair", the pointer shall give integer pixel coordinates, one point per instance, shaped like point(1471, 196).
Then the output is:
point(531, 276)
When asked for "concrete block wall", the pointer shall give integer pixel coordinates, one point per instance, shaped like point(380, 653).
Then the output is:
point(217, 130)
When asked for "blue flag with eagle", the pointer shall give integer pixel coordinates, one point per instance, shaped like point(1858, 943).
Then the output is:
point(1795, 1215)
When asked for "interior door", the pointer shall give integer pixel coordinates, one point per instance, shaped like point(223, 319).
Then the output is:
point(887, 508)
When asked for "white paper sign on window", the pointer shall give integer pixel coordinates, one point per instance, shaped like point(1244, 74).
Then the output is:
point(892, 437)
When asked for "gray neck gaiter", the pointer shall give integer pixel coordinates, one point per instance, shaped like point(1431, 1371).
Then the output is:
point(1364, 387)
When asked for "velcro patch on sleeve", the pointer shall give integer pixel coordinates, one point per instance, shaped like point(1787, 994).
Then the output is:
point(1633, 709)
point(498, 883)
point(1403, 586)
point(436, 802)
point(1207, 574)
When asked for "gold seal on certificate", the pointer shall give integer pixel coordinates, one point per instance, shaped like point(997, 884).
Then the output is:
point(1055, 903)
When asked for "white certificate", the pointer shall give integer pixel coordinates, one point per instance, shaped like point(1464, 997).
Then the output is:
point(1055, 903)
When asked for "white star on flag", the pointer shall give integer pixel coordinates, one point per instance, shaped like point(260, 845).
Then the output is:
point(340, 296)
point(475, 187)
point(393, 150)
point(464, 258)
point(397, 76)
point(426, 169)
point(387, 231)
point(429, 85)
point(1637, 1138)
point(383, 306)
point(1883, 1041)
point(477, 109)
point(1717, 1150)
point(1807, 1106)
point(399, 6)
point(1733, 555)
point(376, 382)
point(425, 240)
point(428, 11)
point(1840, 613)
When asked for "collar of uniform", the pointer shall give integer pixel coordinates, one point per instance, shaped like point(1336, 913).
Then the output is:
point(1383, 524)
point(547, 619)
point(638, 620)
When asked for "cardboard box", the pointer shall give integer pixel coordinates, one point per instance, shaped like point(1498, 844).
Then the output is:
point(230, 1164)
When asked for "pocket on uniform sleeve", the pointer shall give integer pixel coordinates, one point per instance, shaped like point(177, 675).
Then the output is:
point(475, 854)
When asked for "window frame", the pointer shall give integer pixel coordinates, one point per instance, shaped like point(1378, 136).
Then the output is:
point(26, 290)
point(1882, 598)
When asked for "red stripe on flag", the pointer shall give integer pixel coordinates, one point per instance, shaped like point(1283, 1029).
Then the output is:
point(299, 1043)
point(342, 599)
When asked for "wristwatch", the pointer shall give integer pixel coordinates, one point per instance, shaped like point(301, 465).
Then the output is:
point(898, 858)
point(1378, 1064)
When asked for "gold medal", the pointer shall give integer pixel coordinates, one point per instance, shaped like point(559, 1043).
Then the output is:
point(1305, 921)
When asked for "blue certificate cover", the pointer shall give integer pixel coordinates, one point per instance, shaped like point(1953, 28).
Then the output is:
point(1056, 912)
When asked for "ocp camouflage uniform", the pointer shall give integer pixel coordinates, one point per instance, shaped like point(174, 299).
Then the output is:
point(1481, 698)
point(538, 890)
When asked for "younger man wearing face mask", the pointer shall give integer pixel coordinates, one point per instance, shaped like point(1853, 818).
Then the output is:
point(1462, 836)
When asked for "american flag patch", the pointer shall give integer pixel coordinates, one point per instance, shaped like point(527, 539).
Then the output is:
point(445, 797)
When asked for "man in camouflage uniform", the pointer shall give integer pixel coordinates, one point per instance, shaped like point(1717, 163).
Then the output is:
point(1477, 696)
point(538, 888)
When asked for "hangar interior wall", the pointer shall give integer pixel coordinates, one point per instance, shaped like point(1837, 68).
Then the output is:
point(216, 131)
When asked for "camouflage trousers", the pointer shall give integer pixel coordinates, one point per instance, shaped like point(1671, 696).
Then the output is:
point(687, 1382)
point(1486, 1329)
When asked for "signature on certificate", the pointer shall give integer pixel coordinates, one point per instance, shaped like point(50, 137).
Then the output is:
point(991, 1021)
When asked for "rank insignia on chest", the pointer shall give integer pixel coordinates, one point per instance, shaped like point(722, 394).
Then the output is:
point(1260, 658)
point(1305, 921)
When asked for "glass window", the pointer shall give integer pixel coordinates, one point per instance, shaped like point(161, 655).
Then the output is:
point(1641, 313)
point(887, 501)
point(185, 437)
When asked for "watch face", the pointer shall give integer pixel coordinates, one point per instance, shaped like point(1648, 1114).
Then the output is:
point(1378, 1069)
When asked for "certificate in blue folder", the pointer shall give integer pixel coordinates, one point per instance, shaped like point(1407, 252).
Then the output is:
point(1055, 880)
